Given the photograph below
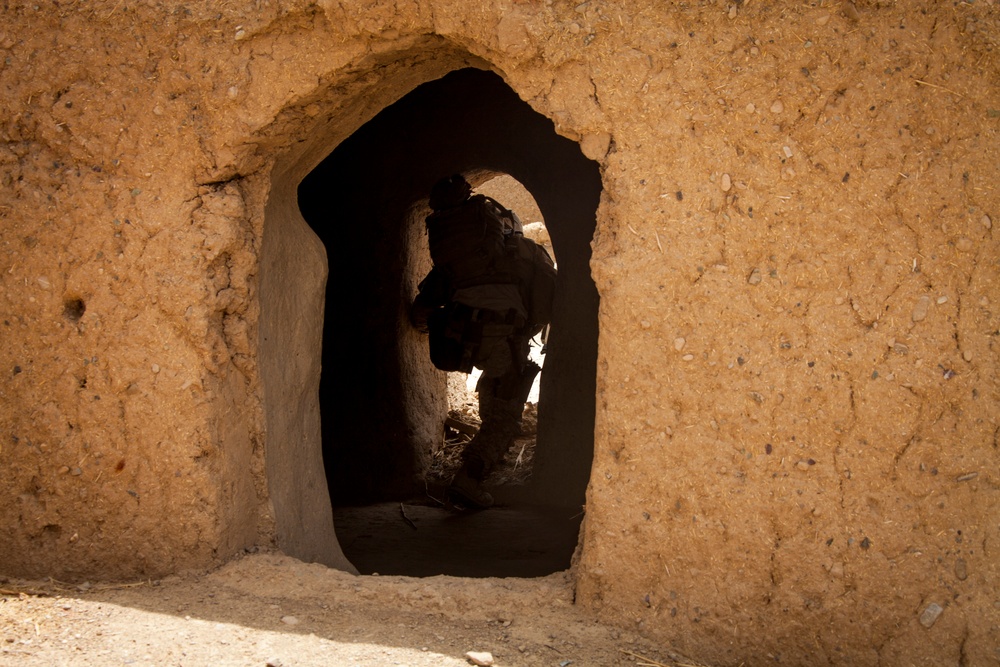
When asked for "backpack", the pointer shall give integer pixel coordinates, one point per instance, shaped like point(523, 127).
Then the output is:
point(535, 273)
point(467, 242)
point(480, 244)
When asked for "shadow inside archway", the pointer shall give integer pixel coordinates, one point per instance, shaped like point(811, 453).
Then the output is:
point(382, 402)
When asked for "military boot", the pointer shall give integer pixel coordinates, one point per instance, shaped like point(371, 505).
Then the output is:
point(466, 491)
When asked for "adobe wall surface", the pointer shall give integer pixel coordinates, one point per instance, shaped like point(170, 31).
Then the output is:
point(796, 442)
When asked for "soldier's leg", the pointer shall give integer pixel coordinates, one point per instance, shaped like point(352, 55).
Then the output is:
point(501, 404)
point(476, 458)
point(503, 388)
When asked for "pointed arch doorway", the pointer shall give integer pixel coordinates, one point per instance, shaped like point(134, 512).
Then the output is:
point(382, 404)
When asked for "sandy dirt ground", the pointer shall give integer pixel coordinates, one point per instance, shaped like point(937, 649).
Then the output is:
point(268, 609)
point(271, 610)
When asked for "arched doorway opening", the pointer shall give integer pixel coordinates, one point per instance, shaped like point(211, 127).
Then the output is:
point(383, 405)
point(350, 268)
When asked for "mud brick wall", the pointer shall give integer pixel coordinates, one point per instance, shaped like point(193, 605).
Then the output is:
point(795, 393)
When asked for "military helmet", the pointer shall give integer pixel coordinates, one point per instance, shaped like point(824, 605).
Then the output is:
point(449, 192)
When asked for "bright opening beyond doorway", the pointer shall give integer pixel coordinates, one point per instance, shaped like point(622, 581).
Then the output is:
point(383, 405)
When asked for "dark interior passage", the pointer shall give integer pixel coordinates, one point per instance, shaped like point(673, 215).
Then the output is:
point(382, 402)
